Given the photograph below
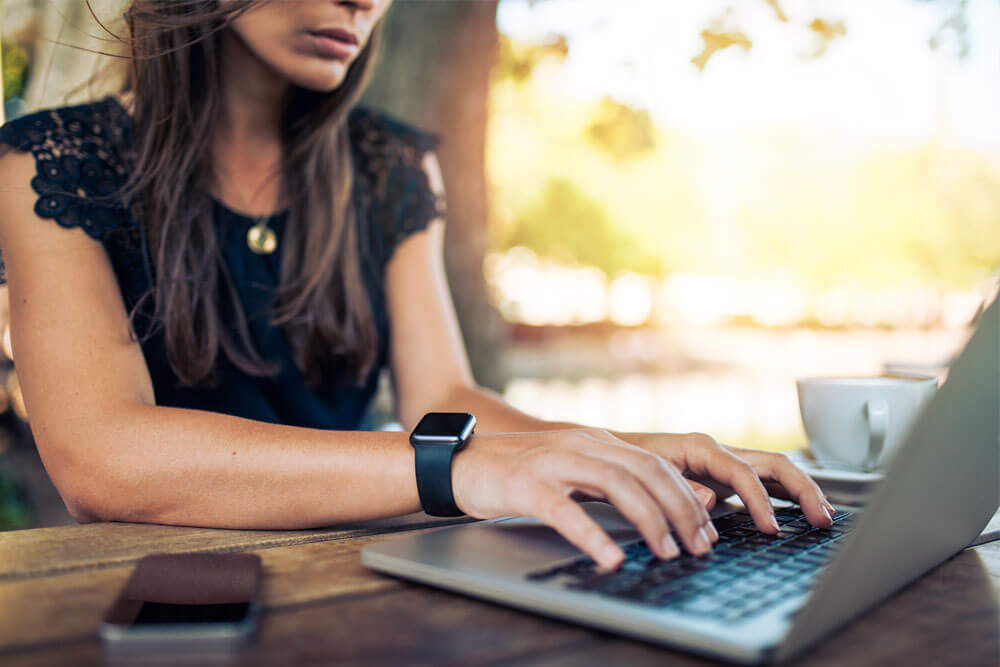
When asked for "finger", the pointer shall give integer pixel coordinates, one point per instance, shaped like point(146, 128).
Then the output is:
point(628, 495)
point(667, 486)
point(720, 490)
point(774, 487)
point(725, 467)
point(776, 490)
point(572, 522)
point(705, 494)
point(709, 527)
point(708, 498)
point(799, 487)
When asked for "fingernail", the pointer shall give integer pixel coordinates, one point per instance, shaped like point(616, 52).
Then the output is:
point(701, 542)
point(670, 547)
point(712, 532)
point(828, 514)
point(705, 496)
point(610, 555)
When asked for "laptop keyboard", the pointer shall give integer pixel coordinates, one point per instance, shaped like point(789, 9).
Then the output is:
point(745, 573)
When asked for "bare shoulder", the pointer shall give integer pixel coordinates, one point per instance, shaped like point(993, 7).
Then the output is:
point(64, 296)
point(16, 170)
point(20, 225)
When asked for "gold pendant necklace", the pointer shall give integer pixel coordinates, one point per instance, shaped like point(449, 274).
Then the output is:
point(261, 239)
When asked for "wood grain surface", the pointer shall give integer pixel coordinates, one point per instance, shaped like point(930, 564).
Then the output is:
point(323, 606)
point(44, 551)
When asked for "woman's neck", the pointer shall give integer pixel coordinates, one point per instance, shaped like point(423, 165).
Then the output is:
point(247, 139)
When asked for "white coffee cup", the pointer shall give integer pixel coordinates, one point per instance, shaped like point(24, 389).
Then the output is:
point(858, 423)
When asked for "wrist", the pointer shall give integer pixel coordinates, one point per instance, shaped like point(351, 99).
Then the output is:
point(463, 473)
point(437, 438)
point(476, 469)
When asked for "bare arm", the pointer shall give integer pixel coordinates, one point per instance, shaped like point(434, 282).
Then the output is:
point(114, 454)
point(429, 364)
point(431, 372)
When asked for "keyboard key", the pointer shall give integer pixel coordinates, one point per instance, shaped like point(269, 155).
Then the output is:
point(738, 570)
point(741, 548)
point(740, 532)
point(746, 572)
point(700, 605)
point(787, 511)
point(729, 521)
point(815, 559)
point(711, 579)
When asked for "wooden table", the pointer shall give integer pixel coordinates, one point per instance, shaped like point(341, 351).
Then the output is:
point(323, 606)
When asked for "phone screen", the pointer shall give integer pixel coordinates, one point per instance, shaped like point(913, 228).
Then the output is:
point(154, 613)
point(182, 596)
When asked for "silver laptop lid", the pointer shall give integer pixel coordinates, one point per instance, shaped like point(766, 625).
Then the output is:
point(939, 493)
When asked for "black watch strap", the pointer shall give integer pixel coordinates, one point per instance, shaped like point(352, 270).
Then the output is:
point(433, 464)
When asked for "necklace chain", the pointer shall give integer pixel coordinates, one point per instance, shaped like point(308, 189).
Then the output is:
point(261, 239)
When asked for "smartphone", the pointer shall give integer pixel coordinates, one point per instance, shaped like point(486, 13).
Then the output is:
point(174, 604)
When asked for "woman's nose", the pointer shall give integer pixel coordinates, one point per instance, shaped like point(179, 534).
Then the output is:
point(354, 5)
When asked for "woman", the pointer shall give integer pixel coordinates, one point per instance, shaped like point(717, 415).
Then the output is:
point(238, 254)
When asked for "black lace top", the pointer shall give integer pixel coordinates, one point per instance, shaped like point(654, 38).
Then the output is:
point(83, 156)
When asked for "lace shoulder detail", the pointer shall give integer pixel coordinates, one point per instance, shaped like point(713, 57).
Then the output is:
point(80, 163)
point(392, 183)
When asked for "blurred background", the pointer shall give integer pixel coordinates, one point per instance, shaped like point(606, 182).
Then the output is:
point(661, 212)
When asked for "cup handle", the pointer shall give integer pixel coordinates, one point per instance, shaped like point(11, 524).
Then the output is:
point(877, 414)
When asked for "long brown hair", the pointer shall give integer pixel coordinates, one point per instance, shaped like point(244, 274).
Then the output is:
point(321, 302)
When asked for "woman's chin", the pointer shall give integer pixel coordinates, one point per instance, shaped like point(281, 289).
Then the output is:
point(320, 79)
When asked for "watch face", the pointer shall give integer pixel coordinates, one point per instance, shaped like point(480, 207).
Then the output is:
point(443, 428)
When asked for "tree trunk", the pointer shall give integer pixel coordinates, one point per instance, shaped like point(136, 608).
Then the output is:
point(434, 73)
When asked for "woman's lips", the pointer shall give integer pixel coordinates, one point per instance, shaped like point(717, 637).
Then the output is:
point(337, 44)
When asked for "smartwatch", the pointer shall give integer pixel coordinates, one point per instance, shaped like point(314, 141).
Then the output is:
point(435, 440)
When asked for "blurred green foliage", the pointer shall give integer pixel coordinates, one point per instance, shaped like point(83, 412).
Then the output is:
point(565, 223)
point(517, 60)
point(621, 131)
point(597, 182)
point(926, 215)
point(14, 513)
point(15, 70)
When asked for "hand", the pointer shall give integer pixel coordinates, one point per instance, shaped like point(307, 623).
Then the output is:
point(541, 474)
point(750, 473)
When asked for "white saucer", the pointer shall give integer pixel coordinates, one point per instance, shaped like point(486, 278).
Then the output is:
point(818, 472)
point(842, 487)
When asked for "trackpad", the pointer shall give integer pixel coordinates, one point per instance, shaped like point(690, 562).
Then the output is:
point(511, 545)
point(531, 532)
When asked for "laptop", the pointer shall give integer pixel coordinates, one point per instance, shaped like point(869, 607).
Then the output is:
point(755, 597)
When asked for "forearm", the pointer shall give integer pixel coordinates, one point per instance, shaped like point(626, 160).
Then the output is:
point(175, 466)
point(493, 414)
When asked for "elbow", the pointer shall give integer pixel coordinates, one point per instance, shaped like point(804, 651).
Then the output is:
point(92, 498)
point(80, 511)
point(84, 494)
point(87, 478)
